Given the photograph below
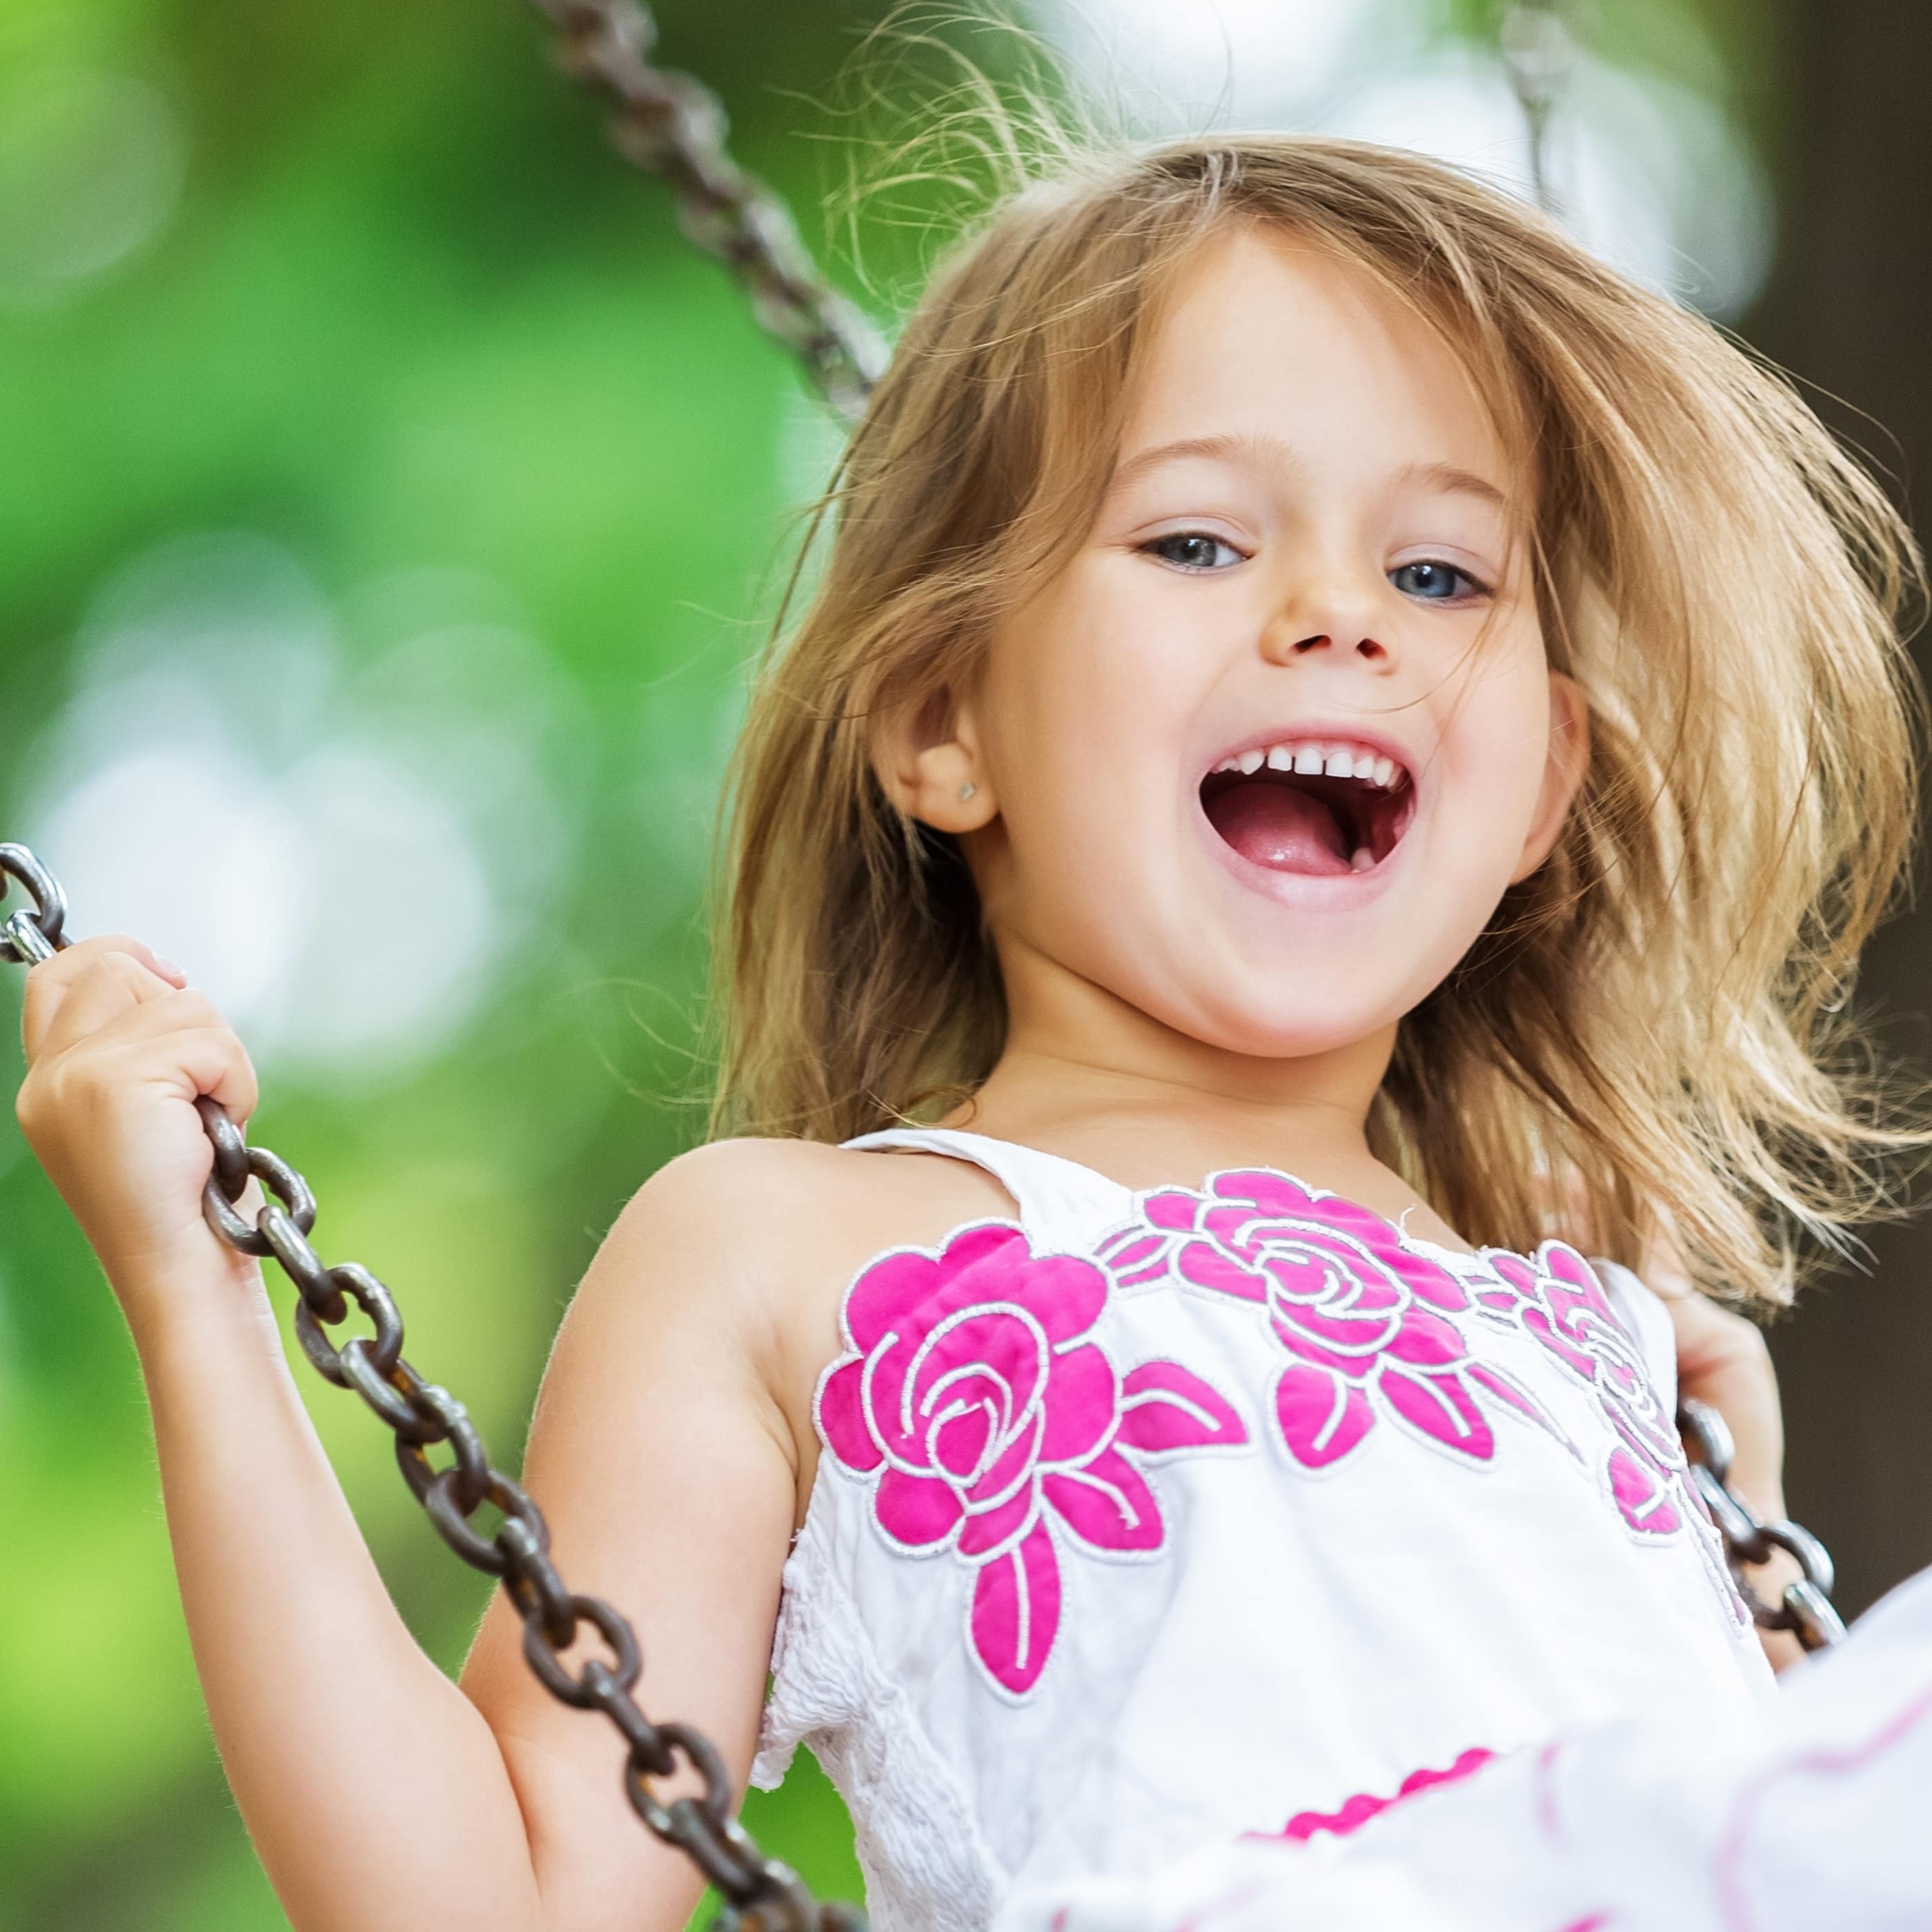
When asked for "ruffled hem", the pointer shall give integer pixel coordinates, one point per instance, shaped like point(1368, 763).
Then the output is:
point(1813, 1817)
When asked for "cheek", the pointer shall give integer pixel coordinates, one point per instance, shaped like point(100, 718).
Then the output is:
point(1495, 744)
point(1092, 647)
point(1084, 712)
point(1493, 779)
point(1492, 802)
point(1084, 812)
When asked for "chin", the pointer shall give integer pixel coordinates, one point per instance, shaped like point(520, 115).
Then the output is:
point(1300, 1020)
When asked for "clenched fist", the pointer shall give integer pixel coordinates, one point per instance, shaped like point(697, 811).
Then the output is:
point(118, 1049)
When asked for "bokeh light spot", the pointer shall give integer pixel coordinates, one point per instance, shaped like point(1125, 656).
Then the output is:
point(90, 167)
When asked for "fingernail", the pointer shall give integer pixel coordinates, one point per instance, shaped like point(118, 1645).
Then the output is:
point(167, 969)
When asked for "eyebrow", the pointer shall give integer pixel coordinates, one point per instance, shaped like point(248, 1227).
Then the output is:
point(1270, 452)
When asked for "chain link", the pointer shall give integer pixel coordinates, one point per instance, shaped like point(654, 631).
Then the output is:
point(1805, 1607)
point(760, 1894)
point(673, 127)
point(1538, 54)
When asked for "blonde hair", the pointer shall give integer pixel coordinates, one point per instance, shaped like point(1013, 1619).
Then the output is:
point(1658, 1013)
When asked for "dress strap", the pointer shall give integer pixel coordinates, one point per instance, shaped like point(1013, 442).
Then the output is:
point(1066, 1204)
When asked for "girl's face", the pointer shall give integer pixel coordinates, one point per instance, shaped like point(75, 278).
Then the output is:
point(1246, 763)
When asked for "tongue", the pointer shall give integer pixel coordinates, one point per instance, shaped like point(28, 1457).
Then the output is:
point(1274, 825)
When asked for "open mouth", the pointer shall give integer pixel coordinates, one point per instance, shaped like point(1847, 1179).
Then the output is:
point(1326, 806)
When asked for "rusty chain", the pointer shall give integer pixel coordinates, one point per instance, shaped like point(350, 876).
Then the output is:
point(673, 127)
point(761, 1894)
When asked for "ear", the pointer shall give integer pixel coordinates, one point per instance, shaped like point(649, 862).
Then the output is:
point(1568, 759)
point(926, 756)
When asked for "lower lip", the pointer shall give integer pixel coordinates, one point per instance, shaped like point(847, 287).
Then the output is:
point(1306, 892)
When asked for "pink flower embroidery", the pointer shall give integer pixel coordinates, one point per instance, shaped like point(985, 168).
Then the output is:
point(973, 1390)
point(1363, 1319)
point(1554, 1294)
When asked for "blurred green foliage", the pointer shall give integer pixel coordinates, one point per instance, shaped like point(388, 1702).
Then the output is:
point(405, 313)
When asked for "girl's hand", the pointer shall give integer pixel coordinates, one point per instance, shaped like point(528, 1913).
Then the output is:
point(1722, 1360)
point(117, 1050)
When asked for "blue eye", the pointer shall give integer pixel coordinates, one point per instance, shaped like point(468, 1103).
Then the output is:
point(1193, 550)
point(1435, 581)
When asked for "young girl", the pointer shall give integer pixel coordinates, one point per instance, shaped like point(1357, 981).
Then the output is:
point(1338, 740)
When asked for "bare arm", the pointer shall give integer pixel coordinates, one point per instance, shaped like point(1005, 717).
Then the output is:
point(668, 1474)
point(370, 1784)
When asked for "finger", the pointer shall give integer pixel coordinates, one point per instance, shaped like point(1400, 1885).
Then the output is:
point(184, 1040)
point(178, 1040)
point(66, 965)
point(52, 983)
point(1757, 1434)
point(111, 984)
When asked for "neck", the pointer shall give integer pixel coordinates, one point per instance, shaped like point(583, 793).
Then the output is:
point(1083, 1072)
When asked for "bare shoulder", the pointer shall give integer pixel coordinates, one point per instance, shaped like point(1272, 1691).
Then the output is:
point(754, 1242)
point(749, 1205)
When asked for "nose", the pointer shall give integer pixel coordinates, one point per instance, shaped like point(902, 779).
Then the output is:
point(1331, 619)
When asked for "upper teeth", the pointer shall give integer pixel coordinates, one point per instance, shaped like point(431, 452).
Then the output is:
point(1335, 758)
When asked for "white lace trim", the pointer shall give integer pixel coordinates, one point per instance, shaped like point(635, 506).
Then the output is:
point(927, 1867)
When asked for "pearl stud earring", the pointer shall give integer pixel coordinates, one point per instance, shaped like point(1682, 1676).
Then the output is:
point(967, 791)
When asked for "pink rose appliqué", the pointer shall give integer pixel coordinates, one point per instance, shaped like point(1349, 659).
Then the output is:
point(1556, 1295)
point(972, 1388)
point(1363, 1319)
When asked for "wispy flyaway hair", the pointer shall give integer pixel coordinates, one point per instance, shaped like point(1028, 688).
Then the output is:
point(1658, 1014)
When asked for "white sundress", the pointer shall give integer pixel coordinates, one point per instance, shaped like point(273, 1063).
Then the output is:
point(1207, 1522)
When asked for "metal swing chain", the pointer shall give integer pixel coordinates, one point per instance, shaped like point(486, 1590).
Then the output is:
point(673, 127)
point(1804, 1607)
point(761, 1894)
point(1537, 52)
